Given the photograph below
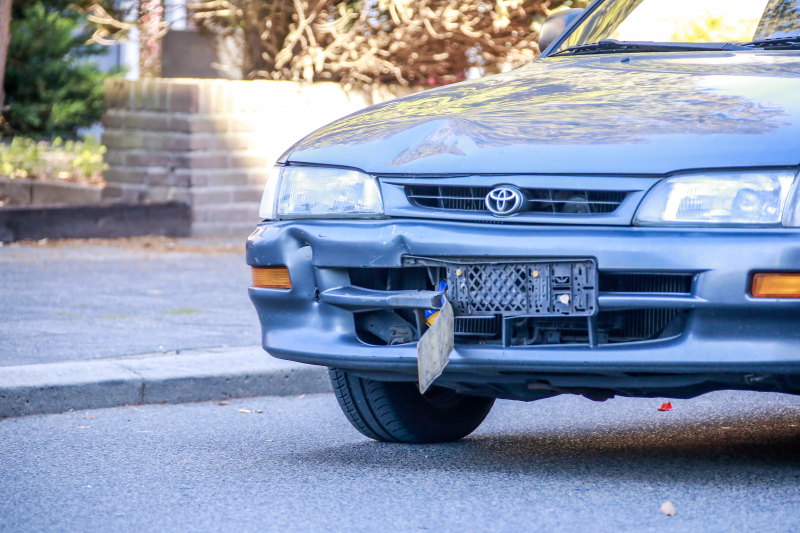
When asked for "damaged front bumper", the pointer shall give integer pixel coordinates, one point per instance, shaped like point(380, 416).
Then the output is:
point(727, 338)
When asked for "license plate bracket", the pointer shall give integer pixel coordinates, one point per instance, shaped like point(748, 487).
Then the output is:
point(536, 288)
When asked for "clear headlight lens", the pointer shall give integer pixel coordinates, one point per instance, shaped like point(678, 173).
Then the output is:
point(320, 192)
point(267, 209)
point(791, 215)
point(734, 199)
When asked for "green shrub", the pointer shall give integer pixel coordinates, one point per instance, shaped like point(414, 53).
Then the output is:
point(52, 88)
point(78, 161)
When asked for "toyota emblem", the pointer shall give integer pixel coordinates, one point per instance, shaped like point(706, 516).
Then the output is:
point(504, 200)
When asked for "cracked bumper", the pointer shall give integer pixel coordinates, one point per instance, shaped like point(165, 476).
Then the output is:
point(727, 332)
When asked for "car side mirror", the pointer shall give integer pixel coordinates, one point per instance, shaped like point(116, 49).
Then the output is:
point(555, 25)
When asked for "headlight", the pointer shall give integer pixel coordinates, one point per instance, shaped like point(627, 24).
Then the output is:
point(320, 192)
point(725, 199)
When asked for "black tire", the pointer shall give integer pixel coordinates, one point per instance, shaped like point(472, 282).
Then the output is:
point(390, 411)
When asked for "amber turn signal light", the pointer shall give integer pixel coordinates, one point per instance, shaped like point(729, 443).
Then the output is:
point(776, 285)
point(271, 277)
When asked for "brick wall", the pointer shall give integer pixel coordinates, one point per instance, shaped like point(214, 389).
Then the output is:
point(211, 143)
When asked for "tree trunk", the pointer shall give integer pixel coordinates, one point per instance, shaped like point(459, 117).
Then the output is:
point(5, 36)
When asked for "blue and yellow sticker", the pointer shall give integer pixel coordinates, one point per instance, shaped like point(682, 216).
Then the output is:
point(431, 314)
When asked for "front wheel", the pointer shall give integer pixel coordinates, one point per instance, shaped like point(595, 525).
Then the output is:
point(390, 411)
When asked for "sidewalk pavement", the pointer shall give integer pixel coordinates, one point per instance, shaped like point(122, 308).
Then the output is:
point(75, 300)
point(100, 323)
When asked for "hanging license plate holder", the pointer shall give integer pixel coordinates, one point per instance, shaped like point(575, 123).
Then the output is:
point(535, 288)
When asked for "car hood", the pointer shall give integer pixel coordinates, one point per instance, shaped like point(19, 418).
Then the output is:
point(612, 114)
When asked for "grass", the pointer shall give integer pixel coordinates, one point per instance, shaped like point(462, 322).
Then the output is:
point(182, 311)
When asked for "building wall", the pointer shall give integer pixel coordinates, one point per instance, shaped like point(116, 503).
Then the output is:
point(211, 143)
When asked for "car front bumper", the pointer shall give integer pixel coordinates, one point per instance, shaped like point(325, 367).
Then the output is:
point(730, 337)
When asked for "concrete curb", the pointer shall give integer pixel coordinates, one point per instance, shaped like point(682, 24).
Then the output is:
point(189, 377)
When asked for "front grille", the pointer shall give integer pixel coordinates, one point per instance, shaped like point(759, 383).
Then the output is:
point(646, 282)
point(636, 324)
point(508, 293)
point(552, 201)
point(613, 327)
point(449, 198)
point(478, 326)
point(498, 303)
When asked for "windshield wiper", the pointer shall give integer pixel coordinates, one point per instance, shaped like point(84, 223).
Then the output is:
point(775, 42)
point(612, 46)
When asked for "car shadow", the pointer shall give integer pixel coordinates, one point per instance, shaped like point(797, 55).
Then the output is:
point(754, 446)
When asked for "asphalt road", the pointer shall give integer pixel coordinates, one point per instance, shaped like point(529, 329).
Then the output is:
point(88, 300)
point(728, 461)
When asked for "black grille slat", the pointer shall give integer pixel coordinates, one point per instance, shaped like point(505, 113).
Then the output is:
point(449, 198)
point(553, 201)
point(637, 282)
point(478, 326)
point(638, 324)
point(631, 325)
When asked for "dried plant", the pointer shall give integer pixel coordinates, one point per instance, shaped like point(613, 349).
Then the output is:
point(111, 28)
point(427, 42)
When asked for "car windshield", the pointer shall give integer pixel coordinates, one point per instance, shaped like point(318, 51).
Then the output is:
point(688, 21)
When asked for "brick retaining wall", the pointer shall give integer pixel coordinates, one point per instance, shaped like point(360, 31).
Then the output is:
point(211, 143)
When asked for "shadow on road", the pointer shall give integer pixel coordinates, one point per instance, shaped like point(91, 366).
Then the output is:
point(724, 451)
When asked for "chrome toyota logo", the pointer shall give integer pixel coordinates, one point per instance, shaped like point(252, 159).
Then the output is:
point(503, 201)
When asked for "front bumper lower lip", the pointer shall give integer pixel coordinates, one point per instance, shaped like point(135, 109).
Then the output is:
point(727, 330)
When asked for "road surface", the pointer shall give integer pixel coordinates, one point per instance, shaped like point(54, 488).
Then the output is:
point(728, 461)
